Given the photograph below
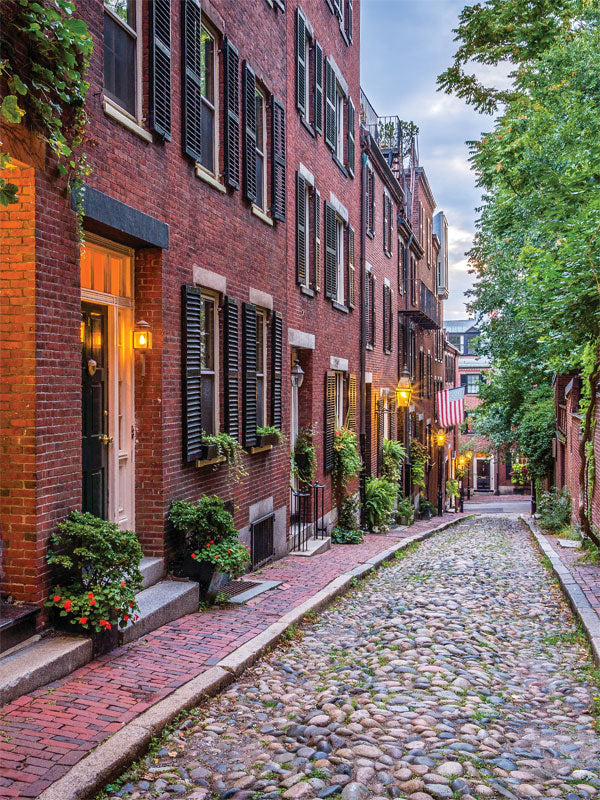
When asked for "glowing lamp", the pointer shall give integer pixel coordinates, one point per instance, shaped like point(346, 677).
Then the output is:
point(469, 454)
point(404, 391)
point(142, 336)
point(462, 461)
point(440, 438)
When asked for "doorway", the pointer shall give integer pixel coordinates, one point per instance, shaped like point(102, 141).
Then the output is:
point(483, 475)
point(108, 433)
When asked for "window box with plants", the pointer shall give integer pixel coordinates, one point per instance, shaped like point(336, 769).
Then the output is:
point(96, 572)
point(221, 448)
point(212, 552)
point(268, 435)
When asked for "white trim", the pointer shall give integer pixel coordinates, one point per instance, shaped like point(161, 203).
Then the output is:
point(261, 299)
point(115, 112)
point(214, 34)
point(261, 319)
point(369, 267)
point(338, 364)
point(261, 214)
point(305, 341)
point(306, 174)
point(338, 75)
point(209, 280)
point(368, 377)
point(208, 177)
point(340, 208)
point(263, 123)
point(386, 282)
point(214, 298)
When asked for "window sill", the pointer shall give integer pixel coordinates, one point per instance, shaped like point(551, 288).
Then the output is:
point(369, 347)
point(340, 165)
point(262, 215)
point(263, 449)
point(339, 307)
point(210, 461)
point(308, 126)
point(207, 177)
point(370, 234)
point(307, 291)
point(113, 111)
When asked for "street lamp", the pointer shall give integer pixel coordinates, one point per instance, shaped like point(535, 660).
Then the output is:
point(440, 439)
point(297, 375)
point(404, 392)
point(469, 456)
point(461, 463)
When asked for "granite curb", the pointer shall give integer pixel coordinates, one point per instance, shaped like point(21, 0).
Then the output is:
point(120, 750)
point(573, 591)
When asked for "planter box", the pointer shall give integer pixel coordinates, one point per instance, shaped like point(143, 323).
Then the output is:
point(265, 439)
point(209, 579)
point(210, 452)
point(105, 641)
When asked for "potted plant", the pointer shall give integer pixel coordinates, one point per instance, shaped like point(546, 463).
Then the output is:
point(304, 457)
point(426, 508)
point(213, 551)
point(519, 477)
point(97, 576)
point(419, 459)
point(268, 435)
point(222, 445)
point(346, 457)
point(380, 495)
point(347, 531)
point(405, 511)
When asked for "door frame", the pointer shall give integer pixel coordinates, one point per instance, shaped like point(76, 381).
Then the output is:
point(120, 311)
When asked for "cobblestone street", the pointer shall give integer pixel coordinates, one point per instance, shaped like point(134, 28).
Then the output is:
point(455, 671)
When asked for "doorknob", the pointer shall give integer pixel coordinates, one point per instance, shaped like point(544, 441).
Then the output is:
point(105, 439)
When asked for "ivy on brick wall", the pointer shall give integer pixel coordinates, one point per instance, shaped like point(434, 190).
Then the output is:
point(45, 55)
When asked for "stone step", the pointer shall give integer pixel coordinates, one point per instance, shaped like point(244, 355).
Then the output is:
point(152, 569)
point(313, 547)
point(44, 661)
point(159, 604)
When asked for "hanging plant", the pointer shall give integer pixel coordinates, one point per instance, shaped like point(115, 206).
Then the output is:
point(346, 457)
point(229, 449)
point(46, 52)
point(304, 457)
point(419, 457)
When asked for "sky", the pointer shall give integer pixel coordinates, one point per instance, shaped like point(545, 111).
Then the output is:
point(405, 45)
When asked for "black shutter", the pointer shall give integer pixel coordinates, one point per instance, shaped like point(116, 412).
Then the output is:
point(386, 227)
point(317, 240)
point(349, 20)
point(249, 374)
point(385, 318)
point(192, 91)
point(231, 83)
point(232, 367)
point(191, 372)
point(352, 397)
point(159, 67)
point(330, 252)
point(300, 229)
point(351, 267)
point(372, 319)
point(351, 157)
point(280, 4)
point(371, 202)
point(329, 420)
point(380, 413)
point(249, 138)
point(300, 62)
point(276, 370)
point(368, 301)
point(330, 131)
point(278, 160)
point(318, 92)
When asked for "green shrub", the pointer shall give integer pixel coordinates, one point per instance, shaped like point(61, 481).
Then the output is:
point(406, 510)
point(380, 495)
point(346, 456)
point(342, 536)
point(554, 509)
point(97, 571)
point(205, 521)
point(419, 458)
point(452, 489)
point(425, 507)
point(394, 455)
point(304, 457)
point(230, 556)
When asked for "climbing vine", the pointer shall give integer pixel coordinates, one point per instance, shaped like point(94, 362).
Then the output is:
point(45, 56)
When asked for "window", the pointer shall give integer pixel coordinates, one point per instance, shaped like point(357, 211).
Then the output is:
point(387, 224)
point(401, 267)
point(121, 54)
point(413, 281)
point(370, 308)
point(339, 224)
point(261, 143)
point(457, 340)
point(387, 319)
point(309, 74)
point(387, 413)
point(339, 399)
point(308, 233)
point(471, 382)
point(209, 364)
point(370, 190)
point(208, 78)
point(339, 124)
point(450, 368)
point(261, 368)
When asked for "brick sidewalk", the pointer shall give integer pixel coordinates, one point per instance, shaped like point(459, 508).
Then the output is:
point(586, 575)
point(46, 732)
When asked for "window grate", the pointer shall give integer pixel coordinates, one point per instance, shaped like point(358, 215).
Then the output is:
point(262, 548)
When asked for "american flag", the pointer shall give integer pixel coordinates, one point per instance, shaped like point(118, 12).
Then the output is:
point(451, 407)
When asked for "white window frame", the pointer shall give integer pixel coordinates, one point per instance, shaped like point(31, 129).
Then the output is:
point(340, 100)
point(340, 234)
point(261, 319)
point(214, 106)
point(263, 123)
point(386, 419)
point(307, 56)
point(109, 102)
point(308, 207)
point(213, 298)
point(339, 400)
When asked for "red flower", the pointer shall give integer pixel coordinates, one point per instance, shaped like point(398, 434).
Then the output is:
point(131, 604)
point(108, 626)
point(56, 598)
point(212, 541)
point(122, 583)
point(92, 602)
point(125, 617)
point(216, 557)
point(67, 605)
point(193, 555)
point(229, 551)
point(82, 620)
point(90, 596)
point(103, 623)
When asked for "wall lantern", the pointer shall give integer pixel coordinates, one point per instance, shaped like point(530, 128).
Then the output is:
point(297, 375)
point(462, 461)
point(469, 454)
point(404, 391)
point(142, 336)
point(440, 437)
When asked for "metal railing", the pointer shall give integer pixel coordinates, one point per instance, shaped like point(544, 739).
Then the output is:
point(307, 515)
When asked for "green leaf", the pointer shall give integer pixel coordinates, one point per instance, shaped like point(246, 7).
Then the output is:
point(10, 109)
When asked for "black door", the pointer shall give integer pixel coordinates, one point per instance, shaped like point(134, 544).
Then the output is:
point(94, 414)
point(483, 475)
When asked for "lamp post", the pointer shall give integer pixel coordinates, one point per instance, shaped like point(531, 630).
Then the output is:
point(469, 456)
point(462, 461)
point(441, 441)
point(404, 392)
